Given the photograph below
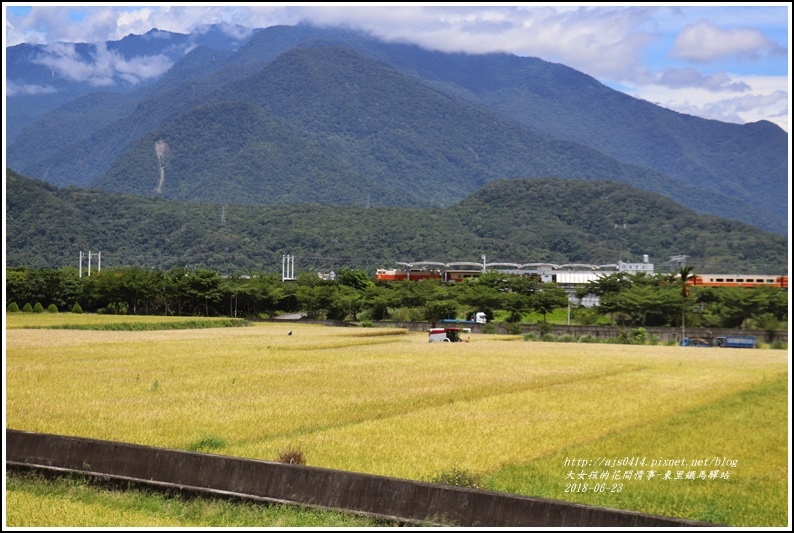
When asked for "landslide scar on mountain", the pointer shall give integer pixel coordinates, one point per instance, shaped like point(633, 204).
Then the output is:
point(161, 150)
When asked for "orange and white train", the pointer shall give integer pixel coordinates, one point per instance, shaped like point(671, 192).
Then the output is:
point(739, 280)
point(699, 280)
point(391, 274)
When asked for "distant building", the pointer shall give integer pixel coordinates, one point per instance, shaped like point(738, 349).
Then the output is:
point(327, 276)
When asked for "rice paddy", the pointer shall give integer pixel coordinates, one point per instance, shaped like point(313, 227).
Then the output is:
point(385, 401)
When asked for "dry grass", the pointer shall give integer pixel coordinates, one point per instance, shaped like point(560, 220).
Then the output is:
point(375, 402)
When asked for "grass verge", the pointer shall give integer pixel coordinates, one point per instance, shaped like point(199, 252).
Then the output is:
point(33, 500)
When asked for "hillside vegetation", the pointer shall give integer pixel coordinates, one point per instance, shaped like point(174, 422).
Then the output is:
point(531, 220)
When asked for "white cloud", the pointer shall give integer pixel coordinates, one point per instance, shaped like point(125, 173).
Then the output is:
point(603, 42)
point(182, 19)
point(234, 31)
point(766, 99)
point(16, 89)
point(103, 67)
point(704, 42)
point(689, 77)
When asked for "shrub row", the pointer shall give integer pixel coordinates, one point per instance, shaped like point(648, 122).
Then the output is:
point(38, 308)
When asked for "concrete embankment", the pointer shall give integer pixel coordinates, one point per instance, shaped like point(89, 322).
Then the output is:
point(388, 498)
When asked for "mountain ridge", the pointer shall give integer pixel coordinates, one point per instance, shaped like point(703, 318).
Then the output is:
point(735, 171)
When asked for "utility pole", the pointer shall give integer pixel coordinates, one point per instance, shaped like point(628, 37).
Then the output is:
point(89, 263)
point(622, 241)
point(287, 267)
point(81, 263)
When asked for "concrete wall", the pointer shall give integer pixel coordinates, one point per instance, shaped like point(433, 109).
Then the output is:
point(378, 496)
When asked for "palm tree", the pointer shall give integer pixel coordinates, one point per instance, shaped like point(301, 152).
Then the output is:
point(685, 276)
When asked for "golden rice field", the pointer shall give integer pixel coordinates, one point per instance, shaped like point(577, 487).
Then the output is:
point(385, 401)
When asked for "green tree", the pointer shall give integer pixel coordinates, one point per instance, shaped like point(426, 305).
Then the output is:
point(272, 292)
point(175, 283)
point(356, 278)
point(350, 300)
point(769, 323)
point(203, 288)
point(733, 306)
point(642, 305)
point(609, 284)
point(69, 287)
point(230, 288)
point(139, 287)
point(103, 290)
point(435, 310)
point(312, 294)
point(308, 301)
point(379, 298)
point(59, 286)
point(548, 298)
point(516, 304)
point(486, 294)
point(432, 297)
point(17, 289)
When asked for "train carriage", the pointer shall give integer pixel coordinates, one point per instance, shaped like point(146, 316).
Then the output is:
point(739, 280)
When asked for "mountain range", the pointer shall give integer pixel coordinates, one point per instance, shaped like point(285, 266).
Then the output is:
point(298, 114)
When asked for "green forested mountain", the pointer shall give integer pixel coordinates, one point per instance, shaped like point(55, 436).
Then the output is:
point(526, 220)
point(733, 160)
point(326, 125)
point(357, 121)
point(338, 117)
point(236, 152)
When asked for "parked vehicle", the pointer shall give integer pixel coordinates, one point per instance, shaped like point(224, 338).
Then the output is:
point(731, 341)
point(447, 334)
point(476, 318)
point(736, 341)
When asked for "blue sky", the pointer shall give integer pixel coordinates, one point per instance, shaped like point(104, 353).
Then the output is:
point(726, 62)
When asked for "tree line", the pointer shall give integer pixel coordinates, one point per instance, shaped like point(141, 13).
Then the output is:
point(637, 299)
